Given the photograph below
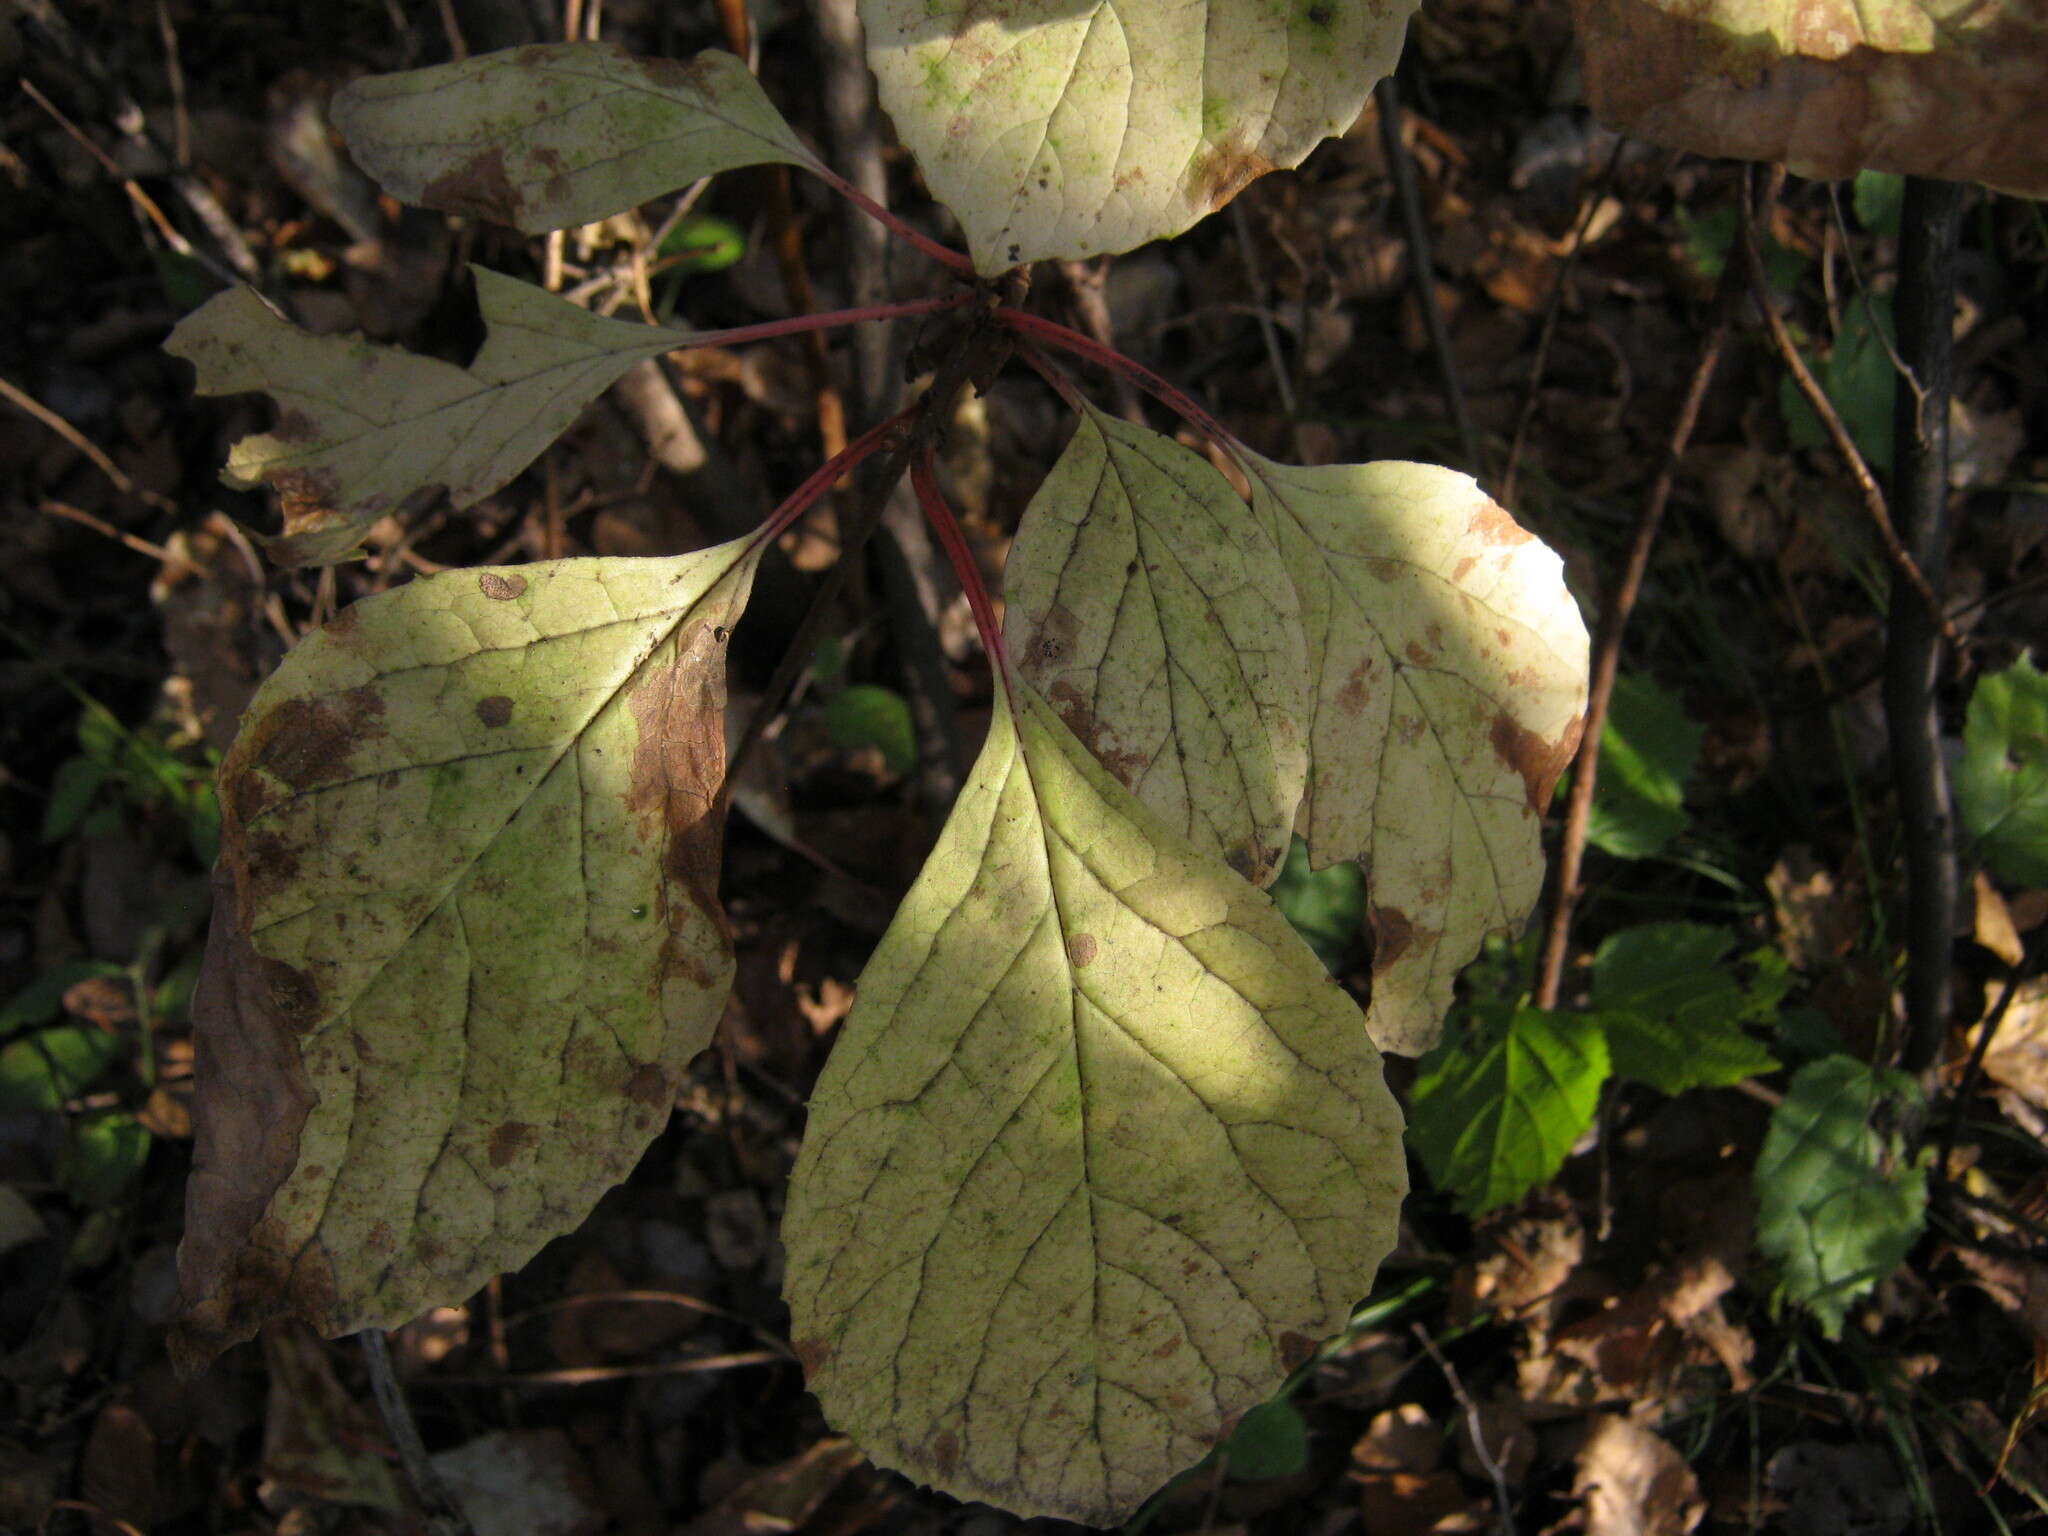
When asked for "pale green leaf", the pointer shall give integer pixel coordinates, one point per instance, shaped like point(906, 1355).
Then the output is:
point(2002, 781)
point(1447, 664)
point(563, 133)
point(1157, 618)
point(1838, 1205)
point(362, 427)
point(1070, 127)
point(1100, 1155)
point(1673, 1011)
point(466, 933)
point(1496, 1109)
point(1647, 753)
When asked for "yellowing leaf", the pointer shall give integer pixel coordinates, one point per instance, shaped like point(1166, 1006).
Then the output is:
point(466, 934)
point(1100, 1153)
point(365, 426)
point(1069, 127)
point(544, 137)
point(1949, 88)
point(1448, 668)
point(1155, 615)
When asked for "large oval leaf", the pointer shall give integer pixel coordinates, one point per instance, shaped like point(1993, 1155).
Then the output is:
point(1158, 619)
point(544, 137)
point(467, 934)
point(1100, 1153)
point(1449, 678)
point(1069, 127)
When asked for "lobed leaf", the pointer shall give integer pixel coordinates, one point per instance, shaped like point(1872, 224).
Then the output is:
point(561, 133)
point(466, 934)
point(2002, 780)
point(1099, 1156)
point(1159, 621)
point(364, 426)
point(1073, 127)
point(1948, 88)
point(1447, 668)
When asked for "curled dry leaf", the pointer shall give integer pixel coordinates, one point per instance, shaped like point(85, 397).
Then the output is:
point(1946, 88)
point(466, 934)
point(1101, 1153)
point(362, 427)
point(1071, 127)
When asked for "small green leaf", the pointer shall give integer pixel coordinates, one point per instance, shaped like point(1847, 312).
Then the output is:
point(46, 1069)
point(1326, 906)
point(72, 788)
point(1100, 1155)
point(1838, 1204)
point(1878, 197)
point(868, 716)
point(1072, 127)
point(2002, 781)
point(1647, 753)
point(1860, 383)
point(708, 244)
point(1672, 1010)
point(1271, 1440)
point(102, 1157)
point(1496, 1108)
point(363, 427)
point(565, 133)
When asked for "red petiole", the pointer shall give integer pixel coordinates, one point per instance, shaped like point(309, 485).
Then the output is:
point(925, 481)
point(1056, 335)
point(906, 309)
point(958, 261)
point(828, 474)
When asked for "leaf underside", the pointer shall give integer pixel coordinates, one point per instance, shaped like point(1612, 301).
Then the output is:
point(1066, 128)
point(559, 134)
point(363, 427)
point(1100, 1154)
point(466, 934)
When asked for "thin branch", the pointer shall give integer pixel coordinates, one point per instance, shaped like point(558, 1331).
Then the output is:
point(1085, 282)
point(23, 400)
point(1925, 305)
point(1503, 1500)
point(2029, 966)
point(444, 1515)
point(1269, 333)
point(1422, 269)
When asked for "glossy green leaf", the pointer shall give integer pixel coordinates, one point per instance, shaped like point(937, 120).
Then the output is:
point(44, 1069)
point(362, 427)
point(1158, 619)
point(1496, 1108)
point(1069, 127)
point(1447, 670)
point(2002, 781)
point(1672, 1010)
point(564, 133)
point(1647, 753)
point(865, 715)
point(466, 934)
point(1099, 1156)
point(1839, 1205)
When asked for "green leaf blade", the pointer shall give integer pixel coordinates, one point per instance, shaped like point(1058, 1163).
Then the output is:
point(1672, 1010)
point(363, 427)
point(1100, 1153)
point(2002, 780)
point(466, 934)
point(559, 134)
point(1647, 753)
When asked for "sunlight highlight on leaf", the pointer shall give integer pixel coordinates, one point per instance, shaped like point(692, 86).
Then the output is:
point(1100, 1155)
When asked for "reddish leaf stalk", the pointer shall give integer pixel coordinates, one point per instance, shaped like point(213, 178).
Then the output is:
point(1054, 334)
point(905, 309)
point(958, 261)
point(829, 474)
point(924, 480)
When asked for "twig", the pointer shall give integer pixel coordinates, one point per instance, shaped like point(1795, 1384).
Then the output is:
point(51, 507)
point(444, 1516)
point(1891, 348)
point(2030, 963)
point(1925, 306)
point(1552, 308)
point(1268, 332)
point(584, 1375)
point(1845, 446)
point(1422, 270)
point(1614, 615)
point(1085, 282)
point(21, 398)
point(1502, 1498)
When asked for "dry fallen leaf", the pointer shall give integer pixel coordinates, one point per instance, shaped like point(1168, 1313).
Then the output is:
point(1634, 1483)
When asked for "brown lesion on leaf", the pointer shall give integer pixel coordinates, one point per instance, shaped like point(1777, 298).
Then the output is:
point(511, 1139)
point(479, 188)
point(1540, 763)
point(1393, 935)
point(649, 1084)
point(813, 1355)
point(945, 1452)
point(304, 742)
point(1221, 171)
point(1081, 950)
point(1050, 643)
point(500, 586)
point(1357, 690)
point(1078, 715)
point(494, 711)
point(1490, 524)
point(1296, 1349)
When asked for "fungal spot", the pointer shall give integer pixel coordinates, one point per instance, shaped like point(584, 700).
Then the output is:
point(1296, 1349)
point(1540, 763)
point(477, 189)
point(946, 1452)
point(1081, 949)
point(511, 1139)
point(495, 710)
point(1393, 934)
point(500, 587)
point(649, 1085)
point(310, 741)
point(813, 1355)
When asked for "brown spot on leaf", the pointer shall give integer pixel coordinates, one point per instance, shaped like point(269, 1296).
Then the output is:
point(478, 188)
point(310, 741)
point(1079, 717)
point(1540, 763)
point(511, 1139)
point(945, 1452)
point(1171, 1346)
point(1222, 171)
point(649, 1085)
point(1050, 644)
point(499, 586)
point(813, 1355)
point(495, 710)
point(294, 996)
point(1492, 525)
point(1081, 949)
point(1356, 693)
point(1393, 932)
point(1296, 1349)
point(1419, 654)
